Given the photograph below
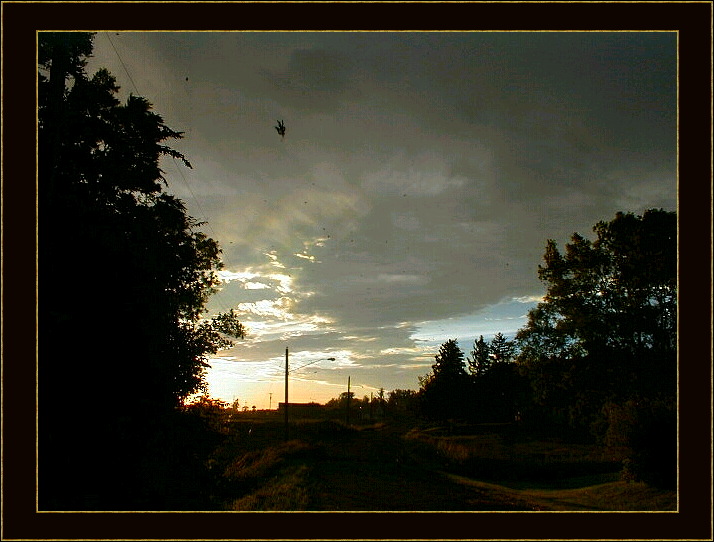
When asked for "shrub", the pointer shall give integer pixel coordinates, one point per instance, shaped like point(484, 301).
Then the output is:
point(649, 429)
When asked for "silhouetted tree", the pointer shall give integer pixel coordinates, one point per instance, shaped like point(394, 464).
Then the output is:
point(480, 359)
point(381, 397)
point(124, 275)
point(214, 411)
point(504, 394)
point(340, 402)
point(499, 393)
point(501, 349)
point(401, 403)
point(444, 391)
point(606, 330)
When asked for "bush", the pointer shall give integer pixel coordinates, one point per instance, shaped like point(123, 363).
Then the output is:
point(649, 429)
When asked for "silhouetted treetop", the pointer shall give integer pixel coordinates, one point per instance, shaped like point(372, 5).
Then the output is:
point(444, 390)
point(607, 327)
point(124, 277)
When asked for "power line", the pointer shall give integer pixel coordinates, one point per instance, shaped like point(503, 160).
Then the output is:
point(312, 363)
point(136, 89)
point(180, 171)
point(122, 63)
point(176, 165)
point(195, 199)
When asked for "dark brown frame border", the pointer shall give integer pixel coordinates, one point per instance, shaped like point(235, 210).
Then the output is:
point(20, 22)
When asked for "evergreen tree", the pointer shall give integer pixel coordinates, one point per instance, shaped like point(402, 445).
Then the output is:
point(499, 392)
point(480, 359)
point(445, 390)
point(501, 349)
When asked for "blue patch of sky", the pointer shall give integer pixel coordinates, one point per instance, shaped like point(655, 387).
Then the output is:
point(506, 317)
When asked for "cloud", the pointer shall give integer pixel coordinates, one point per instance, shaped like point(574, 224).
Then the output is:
point(426, 174)
point(419, 180)
point(260, 278)
point(357, 338)
point(390, 278)
point(270, 321)
point(314, 79)
point(229, 276)
point(255, 286)
point(403, 350)
point(272, 255)
point(305, 257)
point(505, 317)
point(528, 299)
point(276, 308)
point(406, 221)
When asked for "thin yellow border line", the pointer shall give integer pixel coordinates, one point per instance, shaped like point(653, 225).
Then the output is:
point(352, 31)
point(575, 31)
point(322, 2)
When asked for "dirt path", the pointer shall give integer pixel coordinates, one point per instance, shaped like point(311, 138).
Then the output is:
point(374, 471)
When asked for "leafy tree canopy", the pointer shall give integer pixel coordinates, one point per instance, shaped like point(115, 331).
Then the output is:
point(607, 326)
point(124, 271)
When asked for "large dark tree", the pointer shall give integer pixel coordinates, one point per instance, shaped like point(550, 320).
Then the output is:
point(124, 275)
point(606, 332)
point(445, 390)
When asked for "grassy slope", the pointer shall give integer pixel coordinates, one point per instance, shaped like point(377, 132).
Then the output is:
point(330, 467)
point(611, 496)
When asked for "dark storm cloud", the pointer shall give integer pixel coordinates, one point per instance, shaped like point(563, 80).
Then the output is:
point(420, 175)
point(314, 79)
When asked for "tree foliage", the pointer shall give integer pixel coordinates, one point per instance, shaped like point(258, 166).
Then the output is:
point(480, 359)
point(124, 271)
point(401, 403)
point(499, 393)
point(444, 391)
point(607, 325)
point(606, 331)
point(501, 349)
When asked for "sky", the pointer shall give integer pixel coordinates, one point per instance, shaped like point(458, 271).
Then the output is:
point(411, 198)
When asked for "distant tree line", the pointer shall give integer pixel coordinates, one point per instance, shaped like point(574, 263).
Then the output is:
point(396, 404)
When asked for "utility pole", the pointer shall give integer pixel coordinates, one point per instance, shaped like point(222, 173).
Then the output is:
point(286, 394)
point(270, 402)
point(348, 400)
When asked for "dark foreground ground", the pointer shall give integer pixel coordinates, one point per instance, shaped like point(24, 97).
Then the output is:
point(329, 467)
point(376, 471)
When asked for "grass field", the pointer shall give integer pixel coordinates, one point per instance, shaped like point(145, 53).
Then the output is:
point(383, 467)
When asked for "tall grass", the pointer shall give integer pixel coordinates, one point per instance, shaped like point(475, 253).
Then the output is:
point(612, 496)
point(501, 457)
point(286, 491)
point(331, 466)
point(257, 470)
